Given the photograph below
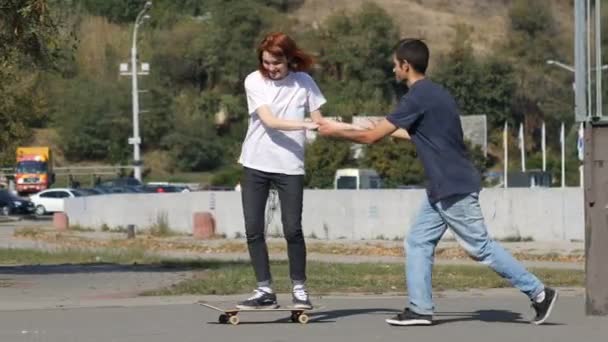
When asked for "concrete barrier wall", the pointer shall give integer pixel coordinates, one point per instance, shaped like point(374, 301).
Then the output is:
point(542, 214)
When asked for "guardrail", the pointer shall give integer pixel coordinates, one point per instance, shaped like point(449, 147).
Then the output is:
point(91, 170)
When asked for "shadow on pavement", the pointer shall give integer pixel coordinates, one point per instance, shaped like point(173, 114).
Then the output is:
point(115, 268)
point(321, 316)
point(489, 316)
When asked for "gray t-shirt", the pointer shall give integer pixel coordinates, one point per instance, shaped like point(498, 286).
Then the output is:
point(291, 98)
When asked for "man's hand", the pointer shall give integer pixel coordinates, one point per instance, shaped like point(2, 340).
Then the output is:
point(361, 135)
point(329, 128)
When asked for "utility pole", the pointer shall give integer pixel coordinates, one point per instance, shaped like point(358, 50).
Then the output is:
point(580, 62)
point(595, 161)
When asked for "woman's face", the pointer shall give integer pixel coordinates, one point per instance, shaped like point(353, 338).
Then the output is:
point(275, 66)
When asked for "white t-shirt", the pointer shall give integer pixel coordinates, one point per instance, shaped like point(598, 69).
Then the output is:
point(291, 98)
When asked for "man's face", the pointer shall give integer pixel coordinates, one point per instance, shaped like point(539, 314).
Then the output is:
point(275, 66)
point(400, 69)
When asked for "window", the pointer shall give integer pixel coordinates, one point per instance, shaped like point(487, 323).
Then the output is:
point(30, 166)
point(49, 194)
point(374, 182)
point(63, 194)
point(77, 193)
point(347, 182)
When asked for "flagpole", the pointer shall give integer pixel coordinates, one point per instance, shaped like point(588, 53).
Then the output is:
point(562, 137)
point(580, 149)
point(522, 147)
point(505, 144)
point(544, 148)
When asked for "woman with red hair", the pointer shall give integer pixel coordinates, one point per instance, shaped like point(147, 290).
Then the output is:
point(279, 96)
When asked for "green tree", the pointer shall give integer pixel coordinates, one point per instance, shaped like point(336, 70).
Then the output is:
point(157, 122)
point(323, 157)
point(282, 5)
point(30, 41)
point(396, 162)
point(93, 118)
point(228, 176)
point(543, 92)
point(480, 86)
point(481, 162)
point(355, 56)
point(118, 11)
point(192, 152)
point(193, 141)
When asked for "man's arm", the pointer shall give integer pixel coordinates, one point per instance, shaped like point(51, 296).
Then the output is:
point(399, 133)
point(318, 118)
point(272, 121)
point(366, 136)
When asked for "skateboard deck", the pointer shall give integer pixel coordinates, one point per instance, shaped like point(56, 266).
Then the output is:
point(230, 315)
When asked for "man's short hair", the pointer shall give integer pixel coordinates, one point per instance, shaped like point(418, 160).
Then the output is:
point(414, 51)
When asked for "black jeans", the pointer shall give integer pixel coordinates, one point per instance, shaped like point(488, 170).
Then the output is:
point(255, 187)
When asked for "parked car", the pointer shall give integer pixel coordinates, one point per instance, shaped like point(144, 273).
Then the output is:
point(159, 188)
point(52, 200)
point(357, 179)
point(11, 204)
point(120, 182)
point(91, 191)
point(134, 189)
point(218, 188)
point(124, 189)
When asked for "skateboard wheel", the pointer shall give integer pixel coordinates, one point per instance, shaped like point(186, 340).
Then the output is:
point(294, 317)
point(223, 319)
point(303, 318)
point(234, 320)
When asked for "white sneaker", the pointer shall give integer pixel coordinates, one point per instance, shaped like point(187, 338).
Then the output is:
point(300, 297)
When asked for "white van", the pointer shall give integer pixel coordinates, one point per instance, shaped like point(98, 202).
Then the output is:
point(357, 179)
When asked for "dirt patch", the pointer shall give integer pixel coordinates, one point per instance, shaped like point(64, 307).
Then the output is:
point(149, 243)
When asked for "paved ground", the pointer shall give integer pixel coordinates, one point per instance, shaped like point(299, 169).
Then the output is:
point(67, 303)
point(495, 316)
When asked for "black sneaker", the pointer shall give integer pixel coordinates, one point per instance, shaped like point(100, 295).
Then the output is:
point(408, 317)
point(300, 298)
point(260, 300)
point(543, 309)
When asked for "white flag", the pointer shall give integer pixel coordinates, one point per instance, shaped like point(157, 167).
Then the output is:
point(520, 136)
point(580, 142)
point(544, 147)
point(505, 144)
point(522, 147)
point(562, 139)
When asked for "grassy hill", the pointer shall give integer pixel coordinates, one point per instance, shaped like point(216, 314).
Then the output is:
point(434, 20)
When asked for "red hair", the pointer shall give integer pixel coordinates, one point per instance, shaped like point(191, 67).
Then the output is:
point(279, 44)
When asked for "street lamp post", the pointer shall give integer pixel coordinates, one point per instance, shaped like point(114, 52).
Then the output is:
point(135, 140)
point(571, 68)
point(561, 65)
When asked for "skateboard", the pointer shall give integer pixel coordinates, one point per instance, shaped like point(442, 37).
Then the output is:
point(230, 315)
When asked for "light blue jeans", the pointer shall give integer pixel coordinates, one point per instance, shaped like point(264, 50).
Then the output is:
point(463, 215)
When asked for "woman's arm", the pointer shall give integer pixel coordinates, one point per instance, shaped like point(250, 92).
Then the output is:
point(318, 118)
point(272, 121)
